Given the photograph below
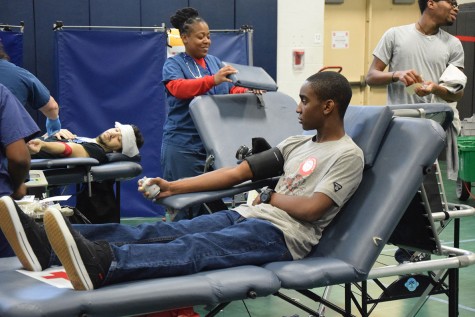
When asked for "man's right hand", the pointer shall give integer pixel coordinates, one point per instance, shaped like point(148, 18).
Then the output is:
point(163, 184)
point(408, 77)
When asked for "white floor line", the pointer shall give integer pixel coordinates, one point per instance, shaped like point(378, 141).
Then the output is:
point(471, 309)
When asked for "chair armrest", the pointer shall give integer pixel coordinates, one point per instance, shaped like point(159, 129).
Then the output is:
point(184, 201)
point(63, 162)
point(422, 110)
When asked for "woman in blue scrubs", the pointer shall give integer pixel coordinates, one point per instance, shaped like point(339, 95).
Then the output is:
point(185, 76)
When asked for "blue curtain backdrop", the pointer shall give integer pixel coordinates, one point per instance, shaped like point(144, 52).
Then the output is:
point(13, 45)
point(108, 76)
point(230, 47)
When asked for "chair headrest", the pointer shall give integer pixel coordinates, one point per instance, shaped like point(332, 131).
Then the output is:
point(366, 125)
point(252, 77)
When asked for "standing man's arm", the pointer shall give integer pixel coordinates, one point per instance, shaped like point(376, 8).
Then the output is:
point(376, 75)
point(18, 158)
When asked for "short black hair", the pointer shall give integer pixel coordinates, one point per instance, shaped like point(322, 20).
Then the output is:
point(332, 85)
point(422, 5)
point(138, 136)
point(184, 18)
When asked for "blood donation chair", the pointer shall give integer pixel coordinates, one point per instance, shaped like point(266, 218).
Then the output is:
point(82, 171)
point(399, 152)
point(76, 170)
point(375, 119)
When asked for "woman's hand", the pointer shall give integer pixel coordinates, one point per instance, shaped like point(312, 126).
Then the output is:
point(62, 134)
point(65, 134)
point(222, 75)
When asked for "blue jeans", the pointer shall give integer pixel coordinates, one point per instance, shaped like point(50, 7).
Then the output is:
point(219, 240)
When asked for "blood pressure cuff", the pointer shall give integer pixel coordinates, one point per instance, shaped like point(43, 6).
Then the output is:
point(266, 164)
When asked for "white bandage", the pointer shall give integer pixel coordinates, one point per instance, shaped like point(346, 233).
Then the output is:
point(129, 143)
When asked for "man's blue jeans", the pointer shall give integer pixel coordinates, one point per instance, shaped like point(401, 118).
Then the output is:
point(219, 240)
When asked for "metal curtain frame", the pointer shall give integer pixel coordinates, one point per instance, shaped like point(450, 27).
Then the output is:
point(8, 27)
point(250, 40)
point(59, 25)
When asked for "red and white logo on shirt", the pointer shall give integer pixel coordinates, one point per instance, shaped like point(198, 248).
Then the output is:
point(308, 166)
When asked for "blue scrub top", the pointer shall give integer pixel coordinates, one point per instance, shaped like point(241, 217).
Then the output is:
point(179, 128)
point(24, 85)
point(15, 124)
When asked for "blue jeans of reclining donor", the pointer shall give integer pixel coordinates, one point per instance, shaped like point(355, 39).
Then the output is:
point(219, 240)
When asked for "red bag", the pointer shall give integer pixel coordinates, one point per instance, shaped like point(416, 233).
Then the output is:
point(180, 312)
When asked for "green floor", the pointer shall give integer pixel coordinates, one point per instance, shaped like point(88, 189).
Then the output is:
point(436, 306)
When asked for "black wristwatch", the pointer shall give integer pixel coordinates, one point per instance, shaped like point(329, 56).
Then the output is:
point(265, 195)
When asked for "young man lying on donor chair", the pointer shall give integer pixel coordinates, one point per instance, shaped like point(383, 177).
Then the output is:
point(318, 174)
point(123, 138)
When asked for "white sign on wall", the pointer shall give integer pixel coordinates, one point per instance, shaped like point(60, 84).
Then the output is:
point(340, 39)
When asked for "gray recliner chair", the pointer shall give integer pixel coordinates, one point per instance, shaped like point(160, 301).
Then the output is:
point(398, 153)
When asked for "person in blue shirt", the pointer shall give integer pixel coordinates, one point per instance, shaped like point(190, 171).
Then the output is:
point(185, 76)
point(31, 92)
point(16, 128)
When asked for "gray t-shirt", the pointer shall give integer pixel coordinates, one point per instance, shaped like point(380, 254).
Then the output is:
point(333, 168)
point(404, 47)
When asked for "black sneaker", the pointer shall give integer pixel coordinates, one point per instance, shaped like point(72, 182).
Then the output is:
point(85, 262)
point(406, 256)
point(403, 256)
point(26, 237)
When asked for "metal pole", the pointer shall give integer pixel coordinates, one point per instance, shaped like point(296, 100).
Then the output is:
point(250, 46)
point(60, 25)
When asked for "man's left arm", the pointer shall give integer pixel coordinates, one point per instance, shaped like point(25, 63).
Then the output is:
point(347, 172)
point(440, 91)
point(303, 208)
